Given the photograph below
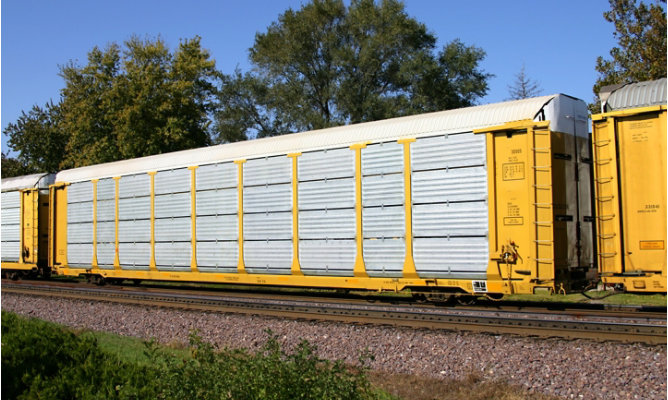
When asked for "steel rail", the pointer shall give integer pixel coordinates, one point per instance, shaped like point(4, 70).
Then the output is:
point(569, 326)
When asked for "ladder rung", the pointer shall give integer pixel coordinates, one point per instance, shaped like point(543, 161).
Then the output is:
point(606, 217)
point(607, 255)
point(608, 236)
point(542, 187)
point(543, 223)
point(604, 198)
point(542, 167)
point(603, 180)
point(604, 161)
point(601, 143)
point(544, 260)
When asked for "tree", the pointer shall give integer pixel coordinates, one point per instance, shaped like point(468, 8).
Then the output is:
point(39, 140)
point(523, 87)
point(125, 102)
point(329, 64)
point(12, 167)
point(640, 31)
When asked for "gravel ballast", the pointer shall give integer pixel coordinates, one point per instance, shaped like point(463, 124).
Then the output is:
point(569, 369)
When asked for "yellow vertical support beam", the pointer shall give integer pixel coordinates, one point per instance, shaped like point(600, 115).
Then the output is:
point(193, 217)
point(296, 268)
point(360, 269)
point(151, 264)
point(94, 262)
point(21, 226)
point(409, 271)
point(117, 260)
point(241, 268)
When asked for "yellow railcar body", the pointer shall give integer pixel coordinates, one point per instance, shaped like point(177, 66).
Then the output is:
point(629, 148)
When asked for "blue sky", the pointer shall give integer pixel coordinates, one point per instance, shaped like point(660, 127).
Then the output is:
point(557, 41)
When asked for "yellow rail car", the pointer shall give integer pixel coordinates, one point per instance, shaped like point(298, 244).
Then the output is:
point(629, 148)
point(484, 199)
point(25, 224)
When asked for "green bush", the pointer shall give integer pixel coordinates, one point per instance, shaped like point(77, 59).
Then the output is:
point(44, 360)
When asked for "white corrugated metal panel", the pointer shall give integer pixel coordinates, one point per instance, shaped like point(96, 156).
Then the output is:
point(106, 190)
point(10, 251)
point(80, 233)
point(172, 181)
point(134, 231)
point(384, 257)
point(134, 255)
point(134, 186)
point(440, 186)
point(216, 202)
point(11, 232)
point(267, 171)
point(448, 151)
point(383, 190)
point(453, 219)
point(173, 256)
point(173, 229)
point(327, 257)
point(268, 257)
point(383, 222)
point(10, 200)
point(106, 232)
point(80, 212)
point(383, 158)
point(635, 95)
point(134, 208)
point(268, 226)
point(326, 164)
point(463, 258)
point(459, 120)
point(41, 181)
point(172, 205)
point(217, 227)
point(79, 192)
point(80, 254)
point(11, 216)
point(106, 210)
point(216, 176)
point(106, 252)
point(328, 194)
point(330, 224)
point(223, 255)
point(268, 198)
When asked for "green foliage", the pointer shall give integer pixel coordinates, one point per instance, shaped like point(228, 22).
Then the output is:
point(39, 137)
point(44, 360)
point(640, 30)
point(125, 102)
point(329, 64)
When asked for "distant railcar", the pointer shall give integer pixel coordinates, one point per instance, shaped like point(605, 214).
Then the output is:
point(489, 199)
point(629, 148)
point(25, 224)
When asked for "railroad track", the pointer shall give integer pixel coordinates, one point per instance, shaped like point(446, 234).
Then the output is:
point(602, 325)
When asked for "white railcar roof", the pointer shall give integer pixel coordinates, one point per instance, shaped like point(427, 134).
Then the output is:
point(450, 121)
point(27, 182)
point(635, 95)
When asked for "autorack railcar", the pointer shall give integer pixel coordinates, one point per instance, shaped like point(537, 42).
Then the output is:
point(629, 148)
point(490, 199)
point(25, 225)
